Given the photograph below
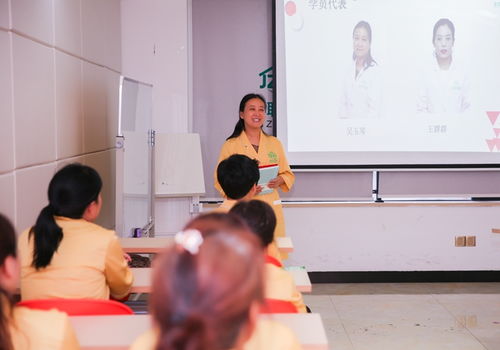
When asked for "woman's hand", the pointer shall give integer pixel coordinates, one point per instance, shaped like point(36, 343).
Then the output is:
point(276, 182)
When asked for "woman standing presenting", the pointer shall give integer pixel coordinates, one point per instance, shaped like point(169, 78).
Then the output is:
point(361, 97)
point(249, 139)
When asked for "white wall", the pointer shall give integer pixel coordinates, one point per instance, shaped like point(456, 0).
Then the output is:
point(390, 237)
point(60, 63)
point(155, 50)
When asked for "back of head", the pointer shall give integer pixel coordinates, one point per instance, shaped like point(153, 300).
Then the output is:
point(7, 248)
point(260, 218)
point(72, 189)
point(237, 175)
point(8, 239)
point(205, 285)
point(70, 192)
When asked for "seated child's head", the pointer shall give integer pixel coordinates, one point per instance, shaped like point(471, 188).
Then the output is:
point(9, 267)
point(259, 216)
point(238, 175)
point(72, 189)
point(74, 192)
point(208, 286)
point(9, 278)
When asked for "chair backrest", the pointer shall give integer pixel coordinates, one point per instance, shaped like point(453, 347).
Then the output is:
point(275, 306)
point(79, 307)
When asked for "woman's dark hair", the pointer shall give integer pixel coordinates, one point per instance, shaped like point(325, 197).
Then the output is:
point(203, 300)
point(71, 190)
point(370, 62)
point(240, 125)
point(8, 247)
point(259, 216)
point(443, 22)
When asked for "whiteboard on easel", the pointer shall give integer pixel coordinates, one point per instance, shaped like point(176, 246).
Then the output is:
point(178, 165)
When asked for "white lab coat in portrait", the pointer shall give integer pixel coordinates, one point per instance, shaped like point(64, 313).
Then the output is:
point(444, 91)
point(361, 96)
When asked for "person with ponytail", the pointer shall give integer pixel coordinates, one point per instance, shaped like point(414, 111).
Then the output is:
point(249, 139)
point(65, 254)
point(208, 290)
point(22, 328)
point(362, 88)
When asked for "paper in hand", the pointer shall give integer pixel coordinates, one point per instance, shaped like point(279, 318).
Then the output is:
point(267, 173)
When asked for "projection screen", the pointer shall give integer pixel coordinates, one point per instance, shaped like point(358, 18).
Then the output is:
point(388, 82)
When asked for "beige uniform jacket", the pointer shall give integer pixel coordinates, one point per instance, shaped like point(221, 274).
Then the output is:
point(279, 284)
point(226, 206)
point(41, 330)
point(268, 335)
point(88, 263)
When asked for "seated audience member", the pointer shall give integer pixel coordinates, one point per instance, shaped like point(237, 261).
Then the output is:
point(66, 255)
point(238, 176)
point(208, 289)
point(22, 328)
point(259, 216)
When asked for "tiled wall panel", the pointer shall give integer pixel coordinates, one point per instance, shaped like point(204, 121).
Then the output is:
point(34, 18)
point(31, 193)
point(101, 38)
point(62, 163)
point(8, 197)
point(69, 113)
point(104, 162)
point(33, 102)
point(58, 103)
point(94, 107)
point(6, 116)
point(4, 14)
point(68, 26)
point(112, 101)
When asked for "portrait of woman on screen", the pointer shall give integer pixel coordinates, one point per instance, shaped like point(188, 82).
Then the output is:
point(444, 86)
point(361, 87)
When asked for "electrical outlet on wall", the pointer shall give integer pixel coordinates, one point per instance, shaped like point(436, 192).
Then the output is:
point(459, 241)
point(470, 241)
